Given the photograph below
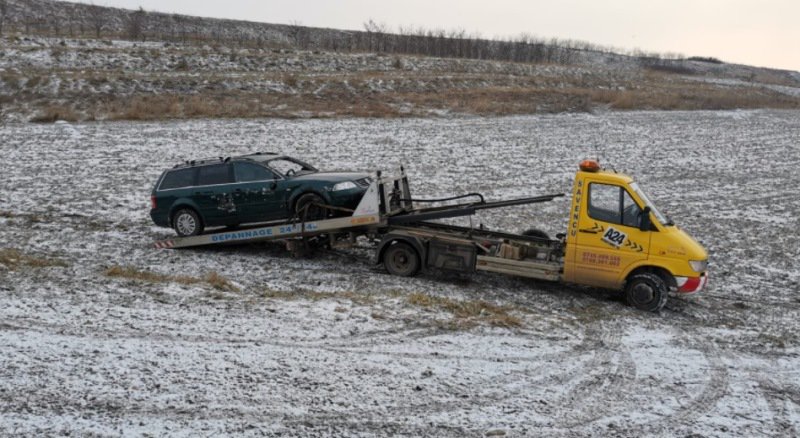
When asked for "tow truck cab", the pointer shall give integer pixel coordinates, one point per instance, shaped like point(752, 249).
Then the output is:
point(617, 238)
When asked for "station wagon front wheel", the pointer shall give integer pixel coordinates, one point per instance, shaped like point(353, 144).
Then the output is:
point(186, 222)
point(308, 207)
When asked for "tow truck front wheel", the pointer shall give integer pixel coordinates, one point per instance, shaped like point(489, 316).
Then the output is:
point(401, 259)
point(646, 291)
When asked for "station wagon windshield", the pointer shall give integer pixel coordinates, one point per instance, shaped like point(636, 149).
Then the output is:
point(289, 167)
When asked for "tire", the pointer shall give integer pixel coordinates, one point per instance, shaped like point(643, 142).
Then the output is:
point(186, 222)
point(401, 259)
point(646, 291)
point(314, 213)
point(533, 232)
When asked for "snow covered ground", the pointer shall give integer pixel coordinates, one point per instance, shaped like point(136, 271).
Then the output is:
point(335, 346)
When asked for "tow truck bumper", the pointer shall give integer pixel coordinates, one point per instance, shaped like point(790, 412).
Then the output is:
point(689, 285)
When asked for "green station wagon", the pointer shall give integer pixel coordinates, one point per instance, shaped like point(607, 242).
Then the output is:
point(260, 187)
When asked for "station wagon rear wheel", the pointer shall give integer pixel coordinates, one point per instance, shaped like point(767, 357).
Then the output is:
point(646, 291)
point(401, 259)
point(186, 222)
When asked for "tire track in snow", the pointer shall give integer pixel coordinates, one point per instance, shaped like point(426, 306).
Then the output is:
point(777, 398)
point(715, 388)
point(604, 381)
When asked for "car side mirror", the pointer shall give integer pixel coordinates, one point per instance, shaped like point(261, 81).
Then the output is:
point(644, 219)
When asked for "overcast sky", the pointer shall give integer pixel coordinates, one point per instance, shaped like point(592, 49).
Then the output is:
point(763, 33)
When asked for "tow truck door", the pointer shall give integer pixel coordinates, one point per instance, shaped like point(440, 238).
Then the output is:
point(608, 239)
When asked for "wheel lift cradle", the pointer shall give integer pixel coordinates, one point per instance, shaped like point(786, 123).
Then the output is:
point(387, 211)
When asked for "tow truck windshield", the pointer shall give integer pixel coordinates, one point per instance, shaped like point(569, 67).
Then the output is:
point(662, 218)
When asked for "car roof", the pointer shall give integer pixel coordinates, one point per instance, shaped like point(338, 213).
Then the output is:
point(257, 156)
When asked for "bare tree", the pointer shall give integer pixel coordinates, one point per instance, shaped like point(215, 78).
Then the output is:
point(55, 22)
point(3, 14)
point(377, 36)
point(298, 34)
point(97, 18)
point(136, 24)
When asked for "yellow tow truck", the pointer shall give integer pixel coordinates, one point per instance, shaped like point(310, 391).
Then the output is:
point(616, 237)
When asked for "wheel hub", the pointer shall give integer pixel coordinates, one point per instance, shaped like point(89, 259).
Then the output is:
point(643, 293)
point(186, 224)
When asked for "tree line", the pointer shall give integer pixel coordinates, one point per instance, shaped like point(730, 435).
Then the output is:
point(75, 19)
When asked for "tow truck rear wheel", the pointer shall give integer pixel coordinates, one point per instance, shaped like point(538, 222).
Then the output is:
point(646, 291)
point(186, 222)
point(533, 232)
point(401, 259)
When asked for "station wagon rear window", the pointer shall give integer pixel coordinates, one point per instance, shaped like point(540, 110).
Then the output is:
point(177, 179)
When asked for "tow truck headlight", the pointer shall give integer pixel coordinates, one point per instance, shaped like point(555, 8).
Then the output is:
point(698, 265)
point(347, 185)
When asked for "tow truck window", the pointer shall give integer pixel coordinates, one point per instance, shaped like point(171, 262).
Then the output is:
point(215, 174)
point(177, 179)
point(613, 204)
point(246, 172)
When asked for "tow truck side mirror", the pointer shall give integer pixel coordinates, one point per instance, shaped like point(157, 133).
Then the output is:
point(644, 220)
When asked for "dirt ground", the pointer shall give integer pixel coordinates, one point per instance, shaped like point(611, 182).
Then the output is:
point(103, 335)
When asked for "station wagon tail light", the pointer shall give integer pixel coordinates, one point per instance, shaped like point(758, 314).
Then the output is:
point(153, 202)
point(589, 166)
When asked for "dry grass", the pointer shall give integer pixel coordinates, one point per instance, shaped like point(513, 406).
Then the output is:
point(661, 93)
point(466, 313)
point(220, 283)
point(290, 80)
point(354, 297)
point(53, 113)
point(13, 258)
point(351, 94)
point(213, 279)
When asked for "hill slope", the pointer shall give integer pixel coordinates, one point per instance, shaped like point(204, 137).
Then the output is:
point(150, 65)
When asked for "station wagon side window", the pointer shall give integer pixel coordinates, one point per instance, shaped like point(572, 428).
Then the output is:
point(176, 179)
point(214, 174)
point(246, 172)
point(610, 203)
